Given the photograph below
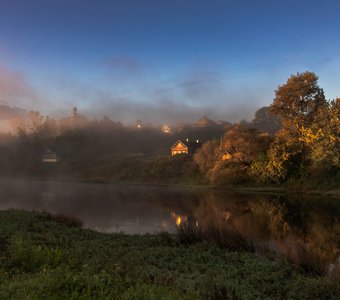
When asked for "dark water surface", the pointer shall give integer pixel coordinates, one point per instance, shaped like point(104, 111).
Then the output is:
point(279, 220)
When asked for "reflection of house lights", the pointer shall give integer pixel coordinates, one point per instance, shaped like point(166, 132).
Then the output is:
point(139, 126)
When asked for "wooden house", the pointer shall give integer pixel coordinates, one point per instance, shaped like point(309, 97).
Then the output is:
point(49, 157)
point(179, 148)
point(187, 147)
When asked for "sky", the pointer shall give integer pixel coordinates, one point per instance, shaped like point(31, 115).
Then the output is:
point(163, 61)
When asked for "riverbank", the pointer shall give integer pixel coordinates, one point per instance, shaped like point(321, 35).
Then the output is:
point(190, 184)
point(53, 257)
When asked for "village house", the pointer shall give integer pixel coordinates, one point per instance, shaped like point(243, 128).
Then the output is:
point(139, 124)
point(187, 147)
point(166, 129)
point(179, 148)
point(49, 157)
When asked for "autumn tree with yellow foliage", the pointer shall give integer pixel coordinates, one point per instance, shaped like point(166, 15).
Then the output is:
point(306, 149)
point(323, 137)
point(309, 136)
point(230, 159)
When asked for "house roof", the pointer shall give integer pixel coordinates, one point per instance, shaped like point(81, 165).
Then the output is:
point(179, 142)
point(49, 151)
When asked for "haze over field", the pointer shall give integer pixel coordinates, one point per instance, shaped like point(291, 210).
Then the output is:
point(162, 61)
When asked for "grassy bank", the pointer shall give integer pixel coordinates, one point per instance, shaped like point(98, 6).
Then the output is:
point(53, 257)
point(179, 170)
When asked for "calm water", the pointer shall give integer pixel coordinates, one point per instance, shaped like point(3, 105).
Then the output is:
point(281, 221)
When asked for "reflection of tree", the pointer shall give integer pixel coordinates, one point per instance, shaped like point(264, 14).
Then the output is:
point(305, 232)
point(272, 216)
point(301, 228)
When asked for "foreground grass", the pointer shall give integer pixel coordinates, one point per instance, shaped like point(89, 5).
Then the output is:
point(51, 257)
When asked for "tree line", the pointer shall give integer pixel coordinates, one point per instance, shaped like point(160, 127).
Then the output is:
point(293, 141)
point(306, 148)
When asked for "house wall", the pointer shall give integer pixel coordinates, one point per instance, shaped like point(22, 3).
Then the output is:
point(179, 149)
point(50, 158)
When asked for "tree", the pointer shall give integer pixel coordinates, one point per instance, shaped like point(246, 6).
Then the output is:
point(207, 157)
point(264, 120)
point(299, 104)
point(36, 120)
point(245, 144)
point(323, 137)
point(284, 156)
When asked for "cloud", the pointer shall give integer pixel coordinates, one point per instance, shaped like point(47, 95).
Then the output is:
point(15, 90)
point(173, 98)
point(182, 99)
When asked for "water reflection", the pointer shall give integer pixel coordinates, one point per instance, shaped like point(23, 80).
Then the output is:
point(283, 222)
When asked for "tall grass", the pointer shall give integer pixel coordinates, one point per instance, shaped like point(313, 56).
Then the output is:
point(304, 258)
point(61, 218)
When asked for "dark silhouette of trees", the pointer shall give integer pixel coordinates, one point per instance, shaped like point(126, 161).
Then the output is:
point(264, 120)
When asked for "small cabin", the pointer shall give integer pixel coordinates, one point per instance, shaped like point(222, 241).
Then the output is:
point(179, 148)
point(187, 147)
point(49, 157)
point(166, 129)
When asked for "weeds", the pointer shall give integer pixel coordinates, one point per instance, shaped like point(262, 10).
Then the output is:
point(60, 218)
point(44, 261)
point(304, 258)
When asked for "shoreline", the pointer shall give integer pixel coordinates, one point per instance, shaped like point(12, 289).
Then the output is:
point(65, 260)
point(334, 193)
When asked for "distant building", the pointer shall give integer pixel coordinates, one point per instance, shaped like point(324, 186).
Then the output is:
point(49, 157)
point(139, 124)
point(179, 148)
point(166, 129)
point(187, 147)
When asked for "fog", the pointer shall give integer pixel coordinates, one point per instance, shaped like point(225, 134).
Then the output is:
point(126, 90)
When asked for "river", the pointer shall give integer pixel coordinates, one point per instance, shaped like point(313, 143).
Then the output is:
point(282, 221)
